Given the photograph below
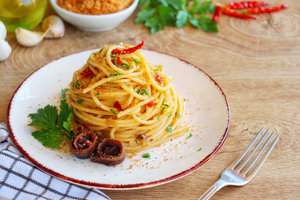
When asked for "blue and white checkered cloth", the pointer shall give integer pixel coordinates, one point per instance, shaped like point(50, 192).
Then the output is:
point(21, 180)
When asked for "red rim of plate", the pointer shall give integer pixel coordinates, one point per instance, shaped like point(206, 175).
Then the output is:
point(124, 186)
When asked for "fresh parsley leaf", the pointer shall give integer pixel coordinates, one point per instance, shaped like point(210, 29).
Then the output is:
point(145, 1)
point(65, 113)
point(158, 118)
point(49, 137)
point(145, 13)
point(44, 118)
point(190, 135)
point(155, 24)
point(203, 8)
point(182, 18)
point(169, 129)
point(199, 149)
point(167, 15)
point(165, 105)
point(111, 75)
point(207, 24)
point(147, 155)
point(63, 93)
point(138, 91)
point(177, 4)
point(54, 128)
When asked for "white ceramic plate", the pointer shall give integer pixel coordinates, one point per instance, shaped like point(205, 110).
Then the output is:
point(207, 112)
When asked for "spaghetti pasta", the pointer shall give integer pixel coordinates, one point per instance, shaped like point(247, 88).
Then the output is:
point(120, 96)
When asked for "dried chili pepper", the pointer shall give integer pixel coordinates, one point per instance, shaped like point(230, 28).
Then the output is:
point(229, 12)
point(118, 106)
point(158, 78)
point(217, 13)
point(116, 60)
point(87, 72)
point(265, 10)
point(151, 104)
point(246, 4)
point(127, 51)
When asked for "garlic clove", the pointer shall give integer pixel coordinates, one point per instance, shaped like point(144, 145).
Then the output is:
point(29, 38)
point(2, 31)
point(54, 25)
point(5, 50)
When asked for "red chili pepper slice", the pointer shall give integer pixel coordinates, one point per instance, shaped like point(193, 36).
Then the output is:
point(229, 12)
point(150, 104)
point(159, 79)
point(127, 51)
point(118, 59)
point(246, 4)
point(87, 72)
point(117, 105)
point(265, 10)
point(217, 13)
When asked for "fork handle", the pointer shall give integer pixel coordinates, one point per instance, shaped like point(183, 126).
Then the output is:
point(213, 189)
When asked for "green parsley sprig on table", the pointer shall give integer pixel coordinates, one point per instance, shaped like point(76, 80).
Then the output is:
point(157, 14)
point(54, 128)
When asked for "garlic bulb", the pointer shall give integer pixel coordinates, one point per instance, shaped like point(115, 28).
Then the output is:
point(29, 38)
point(5, 50)
point(54, 26)
point(2, 31)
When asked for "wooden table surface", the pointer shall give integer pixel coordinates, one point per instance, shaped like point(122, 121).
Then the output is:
point(257, 64)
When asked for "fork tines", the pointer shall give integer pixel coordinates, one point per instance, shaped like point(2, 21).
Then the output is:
point(251, 160)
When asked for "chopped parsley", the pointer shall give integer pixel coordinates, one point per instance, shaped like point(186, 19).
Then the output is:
point(190, 135)
point(146, 155)
point(142, 92)
point(135, 60)
point(97, 94)
point(76, 84)
point(169, 128)
point(80, 101)
point(63, 93)
point(111, 75)
point(165, 105)
point(169, 114)
point(199, 149)
point(111, 110)
point(136, 139)
point(158, 118)
point(114, 54)
point(178, 115)
point(162, 110)
point(54, 128)
point(100, 50)
point(115, 61)
point(156, 69)
point(124, 66)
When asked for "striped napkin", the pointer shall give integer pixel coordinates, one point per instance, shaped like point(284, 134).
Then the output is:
point(20, 179)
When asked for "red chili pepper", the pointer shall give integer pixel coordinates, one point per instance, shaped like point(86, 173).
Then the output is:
point(217, 13)
point(117, 105)
point(87, 72)
point(229, 12)
point(265, 10)
point(119, 62)
point(159, 79)
point(246, 4)
point(127, 51)
point(150, 104)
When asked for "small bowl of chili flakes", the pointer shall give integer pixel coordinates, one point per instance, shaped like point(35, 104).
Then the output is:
point(94, 15)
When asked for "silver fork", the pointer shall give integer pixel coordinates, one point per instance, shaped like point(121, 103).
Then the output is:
point(246, 165)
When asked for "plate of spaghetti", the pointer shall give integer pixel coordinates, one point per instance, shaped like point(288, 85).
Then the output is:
point(119, 117)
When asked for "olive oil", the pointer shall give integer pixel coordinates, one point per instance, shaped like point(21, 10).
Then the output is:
point(22, 13)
